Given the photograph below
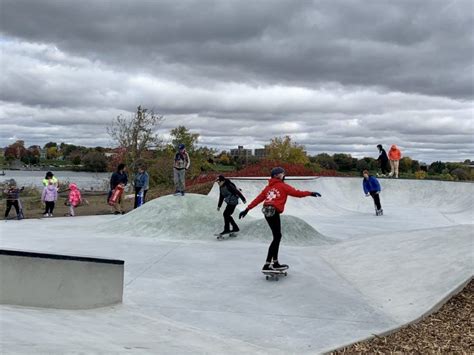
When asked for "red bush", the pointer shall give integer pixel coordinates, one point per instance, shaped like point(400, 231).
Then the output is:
point(263, 169)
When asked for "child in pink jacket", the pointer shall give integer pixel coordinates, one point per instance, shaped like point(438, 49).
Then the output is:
point(74, 198)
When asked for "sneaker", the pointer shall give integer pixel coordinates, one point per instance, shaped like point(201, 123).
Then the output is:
point(182, 193)
point(225, 232)
point(123, 212)
point(277, 266)
point(266, 267)
point(116, 212)
point(235, 230)
point(51, 215)
point(45, 215)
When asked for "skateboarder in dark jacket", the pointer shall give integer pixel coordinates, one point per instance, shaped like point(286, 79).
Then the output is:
point(229, 193)
point(274, 197)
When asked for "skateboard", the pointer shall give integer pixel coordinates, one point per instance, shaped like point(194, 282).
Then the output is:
point(226, 236)
point(274, 274)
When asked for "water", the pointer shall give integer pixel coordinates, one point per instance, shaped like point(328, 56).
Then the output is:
point(84, 180)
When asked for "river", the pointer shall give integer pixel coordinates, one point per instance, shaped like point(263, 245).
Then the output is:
point(84, 180)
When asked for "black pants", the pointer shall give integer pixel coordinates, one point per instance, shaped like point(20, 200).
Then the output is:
point(137, 190)
point(228, 220)
point(376, 198)
point(275, 225)
point(385, 166)
point(11, 203)
point(49, 207)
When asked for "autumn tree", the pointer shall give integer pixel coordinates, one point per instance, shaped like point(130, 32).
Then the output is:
point(16, 150)
point(136, 134)
point(284, 150)
point(182, 135)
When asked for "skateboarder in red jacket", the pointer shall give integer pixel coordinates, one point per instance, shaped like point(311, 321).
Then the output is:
point(274, 198)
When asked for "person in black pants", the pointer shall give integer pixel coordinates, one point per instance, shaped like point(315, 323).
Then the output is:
point(372, 188)
point(141, 185)
point(383, 160)
point(229, 193)
point(274, 198)
point(12, 197)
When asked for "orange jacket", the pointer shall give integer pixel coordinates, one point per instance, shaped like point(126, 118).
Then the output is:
point(394, 153)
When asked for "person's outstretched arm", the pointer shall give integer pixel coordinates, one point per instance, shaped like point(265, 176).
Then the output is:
point(290, 190)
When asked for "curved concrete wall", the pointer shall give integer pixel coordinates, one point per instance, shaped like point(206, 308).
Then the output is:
point(59, 281)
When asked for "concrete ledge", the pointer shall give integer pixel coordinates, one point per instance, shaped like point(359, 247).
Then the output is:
point(59, 281)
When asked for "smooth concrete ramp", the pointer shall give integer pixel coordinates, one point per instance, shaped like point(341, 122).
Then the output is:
point(35, 279)
point(194, 217)
point(407, 204)
point(355, 275)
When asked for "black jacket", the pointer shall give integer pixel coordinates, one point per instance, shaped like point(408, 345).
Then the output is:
point(118, 178)
point(383, 158)
point(230, 193)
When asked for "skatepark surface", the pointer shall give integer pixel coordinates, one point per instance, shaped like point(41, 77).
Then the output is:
point(352, 274)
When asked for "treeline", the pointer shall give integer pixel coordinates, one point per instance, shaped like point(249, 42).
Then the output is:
point(58, 155)
point(139, 144)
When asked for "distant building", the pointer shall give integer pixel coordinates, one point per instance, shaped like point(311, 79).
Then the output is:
point(240, 152)
point(261, 153)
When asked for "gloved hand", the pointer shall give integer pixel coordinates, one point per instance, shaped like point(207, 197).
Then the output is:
point(244, 200)
point(315, 194)
point(218, 209)
point(367, 195)
point(243, 213)
point(377, 192)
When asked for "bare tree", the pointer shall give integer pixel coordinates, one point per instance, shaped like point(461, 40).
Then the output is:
point(136, 134)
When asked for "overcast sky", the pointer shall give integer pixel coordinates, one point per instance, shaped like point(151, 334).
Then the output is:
point(337, 76)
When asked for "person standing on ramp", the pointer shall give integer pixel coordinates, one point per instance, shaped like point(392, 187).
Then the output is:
point(181, 164)
point(229, 193)
point(274, 197)
point(383, 160)
point(394, 155)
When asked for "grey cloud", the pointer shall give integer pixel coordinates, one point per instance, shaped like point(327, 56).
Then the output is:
point(411, 46)
point(336, 76)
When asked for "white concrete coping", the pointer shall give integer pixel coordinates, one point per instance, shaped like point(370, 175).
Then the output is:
point(59, 281)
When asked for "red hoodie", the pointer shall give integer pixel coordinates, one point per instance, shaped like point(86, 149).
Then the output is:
point(276, 193)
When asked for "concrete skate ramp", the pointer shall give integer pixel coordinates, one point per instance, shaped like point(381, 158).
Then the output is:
point(59, 281)
point(195, 217)
point(407, 204)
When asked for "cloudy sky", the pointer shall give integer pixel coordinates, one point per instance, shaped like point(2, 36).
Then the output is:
point(337, 76)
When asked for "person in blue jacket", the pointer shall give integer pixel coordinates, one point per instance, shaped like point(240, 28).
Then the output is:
point(372, 188)
point(142, 182)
